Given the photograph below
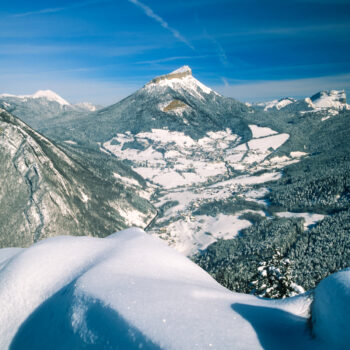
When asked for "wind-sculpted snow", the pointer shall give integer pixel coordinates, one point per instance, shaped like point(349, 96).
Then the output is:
point(331, 310)
point(131, 291)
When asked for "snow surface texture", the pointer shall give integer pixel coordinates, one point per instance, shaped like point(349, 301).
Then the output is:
point(131, 291)
point(191, 173)
point(331, 310)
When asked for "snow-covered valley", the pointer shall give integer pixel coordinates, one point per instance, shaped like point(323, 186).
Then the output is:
point(187, 174)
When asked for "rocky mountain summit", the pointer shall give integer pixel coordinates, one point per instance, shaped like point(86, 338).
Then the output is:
point(179, 73)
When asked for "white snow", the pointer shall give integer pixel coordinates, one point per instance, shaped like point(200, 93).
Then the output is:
point(183, 69)
point(70, 142)
point(198, 232)
point(278, 104)
point(298, 154)
point(260, 148)
point(126, 180)
point(84, 197)
point(310, 218)
point(131, 291)
point(330, 99)
point(259, 131)
point(331, 310)
point(187, 84)
point(87, 106)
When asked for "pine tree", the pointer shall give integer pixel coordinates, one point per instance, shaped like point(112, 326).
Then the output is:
point(274, 279)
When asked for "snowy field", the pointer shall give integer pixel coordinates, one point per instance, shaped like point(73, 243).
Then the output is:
point(131, 291)
point(310, 219)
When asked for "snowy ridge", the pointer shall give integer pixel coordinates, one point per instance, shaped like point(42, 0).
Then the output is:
point(333, 100)
point(278, 104)
point(131, 291)
point(47, 94)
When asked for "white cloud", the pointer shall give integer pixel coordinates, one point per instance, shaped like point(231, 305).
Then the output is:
point(56, 9)
point(150, 13)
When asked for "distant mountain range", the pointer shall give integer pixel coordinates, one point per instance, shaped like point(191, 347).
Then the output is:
point(225, 182)
point(331, 101)
point(45, 106)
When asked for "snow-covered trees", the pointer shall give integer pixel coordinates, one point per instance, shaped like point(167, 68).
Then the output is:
point(274, 278)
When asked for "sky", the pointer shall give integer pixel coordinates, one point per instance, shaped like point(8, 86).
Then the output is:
point(103, 50)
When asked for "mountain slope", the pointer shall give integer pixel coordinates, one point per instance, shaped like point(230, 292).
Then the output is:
point(48, 191)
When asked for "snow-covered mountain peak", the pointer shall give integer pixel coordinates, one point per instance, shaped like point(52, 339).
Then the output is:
point(183, 69)
point(180, 73)
point(50, 95)
point(180, 80)
point(329, 99)
point(47, 94)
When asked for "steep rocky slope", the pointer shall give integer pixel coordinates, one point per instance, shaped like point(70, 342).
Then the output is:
point(47, 190)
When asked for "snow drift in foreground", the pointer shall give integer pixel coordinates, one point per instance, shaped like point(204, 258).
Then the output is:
point(131, 291)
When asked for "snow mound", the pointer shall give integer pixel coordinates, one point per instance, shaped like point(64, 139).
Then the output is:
point(331, 310)
point(131, 291)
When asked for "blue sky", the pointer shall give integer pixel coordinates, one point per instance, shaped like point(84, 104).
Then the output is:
point(101, 51)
